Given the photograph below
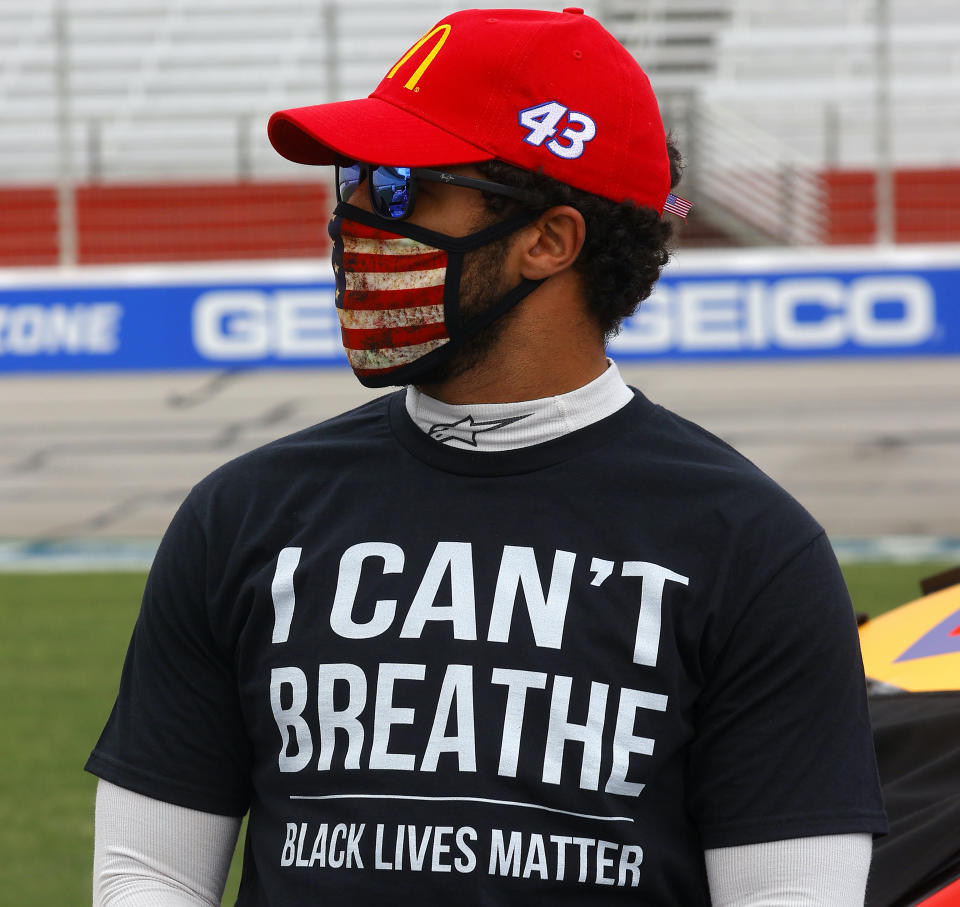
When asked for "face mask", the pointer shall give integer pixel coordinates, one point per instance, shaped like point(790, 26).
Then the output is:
point(398, 293)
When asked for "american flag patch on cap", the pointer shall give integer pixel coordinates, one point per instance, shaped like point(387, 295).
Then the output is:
point(677, 205)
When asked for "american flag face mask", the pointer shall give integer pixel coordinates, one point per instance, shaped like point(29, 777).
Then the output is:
point(398, 293)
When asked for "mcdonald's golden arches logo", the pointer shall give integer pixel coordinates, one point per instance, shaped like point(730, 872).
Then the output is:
point(440, 32)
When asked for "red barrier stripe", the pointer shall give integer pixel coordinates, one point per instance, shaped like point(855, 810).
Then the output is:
point(392, 299)
point(391, 338)
point(392, 264)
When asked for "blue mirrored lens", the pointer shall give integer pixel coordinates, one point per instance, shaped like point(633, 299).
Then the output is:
point(391, 191)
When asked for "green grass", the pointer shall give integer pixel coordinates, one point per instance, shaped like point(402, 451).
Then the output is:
point(61, 649)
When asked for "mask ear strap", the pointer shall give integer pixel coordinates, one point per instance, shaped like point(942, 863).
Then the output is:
point(503, 305)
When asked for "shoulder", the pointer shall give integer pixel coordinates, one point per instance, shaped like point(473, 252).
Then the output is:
point(311, 454)
point(715, 492)
point(700, 460)
point(677, 438)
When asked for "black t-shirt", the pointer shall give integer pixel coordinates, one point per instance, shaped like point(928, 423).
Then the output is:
point(548, 675)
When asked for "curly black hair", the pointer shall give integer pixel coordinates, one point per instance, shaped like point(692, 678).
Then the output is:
point(626, 245)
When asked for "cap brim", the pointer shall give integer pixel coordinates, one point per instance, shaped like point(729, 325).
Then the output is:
point(368, 130)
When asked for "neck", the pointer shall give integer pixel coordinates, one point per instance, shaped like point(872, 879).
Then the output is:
point(549, 346)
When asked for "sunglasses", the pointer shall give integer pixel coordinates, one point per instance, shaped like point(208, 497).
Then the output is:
point(393, 190)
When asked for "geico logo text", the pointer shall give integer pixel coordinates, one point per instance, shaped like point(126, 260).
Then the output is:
point(796, 313)
point(251, 324)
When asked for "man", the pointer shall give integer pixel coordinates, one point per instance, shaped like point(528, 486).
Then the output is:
point(514, 634)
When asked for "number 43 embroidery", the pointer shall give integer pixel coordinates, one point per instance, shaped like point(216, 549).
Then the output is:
point(543, 120)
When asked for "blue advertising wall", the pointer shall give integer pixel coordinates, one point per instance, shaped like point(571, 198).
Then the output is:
point(706, 307)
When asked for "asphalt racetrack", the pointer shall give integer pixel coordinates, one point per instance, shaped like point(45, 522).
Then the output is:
point(870, 448)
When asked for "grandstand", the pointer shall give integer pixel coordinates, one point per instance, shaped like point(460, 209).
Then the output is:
point(141, 122)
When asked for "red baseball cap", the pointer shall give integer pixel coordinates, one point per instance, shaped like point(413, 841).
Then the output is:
point(541, 90)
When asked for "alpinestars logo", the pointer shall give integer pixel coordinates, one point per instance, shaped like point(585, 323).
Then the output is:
point(466, 430)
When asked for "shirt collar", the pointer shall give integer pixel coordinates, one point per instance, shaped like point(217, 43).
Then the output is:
point(508, 426)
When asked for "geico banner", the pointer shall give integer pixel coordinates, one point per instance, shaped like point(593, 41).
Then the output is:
point(150, 324)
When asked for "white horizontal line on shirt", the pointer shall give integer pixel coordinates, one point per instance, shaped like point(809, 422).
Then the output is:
point(549, 809)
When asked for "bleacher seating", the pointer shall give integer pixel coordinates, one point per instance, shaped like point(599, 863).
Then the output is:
point(183, 90)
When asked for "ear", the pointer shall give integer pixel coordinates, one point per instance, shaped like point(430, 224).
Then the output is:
point(551, 243)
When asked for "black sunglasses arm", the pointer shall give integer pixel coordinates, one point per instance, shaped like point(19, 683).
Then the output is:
point(453, 179)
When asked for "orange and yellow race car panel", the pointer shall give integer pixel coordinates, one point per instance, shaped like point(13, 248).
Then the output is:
point(916, 646)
